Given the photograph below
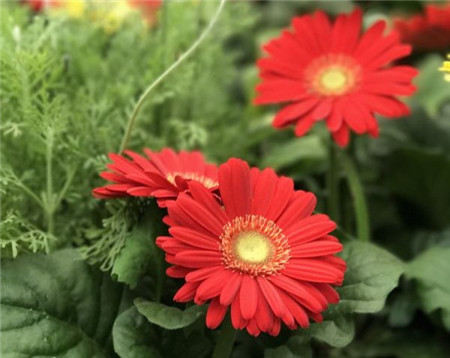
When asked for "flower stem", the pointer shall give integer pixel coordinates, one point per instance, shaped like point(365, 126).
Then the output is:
point(333, 183)
point(225, 342)
point(359, 199)
point(49, 203)
point(174, 65)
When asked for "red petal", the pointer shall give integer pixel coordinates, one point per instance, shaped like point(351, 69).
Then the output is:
point(194, 238)
point(231, 288)
point(212, 286)
point(197, 259)
point(316, 248)
point(342, 136)
point(186, 293)
point(248, 297)
point(297, 289)
point(272, 296)
point(293, 112)
point(310, 228)
point(177, 271)
point(202, 273)
point(302, 206)
point(236, 317)
point(235, 187)
point(215, 314)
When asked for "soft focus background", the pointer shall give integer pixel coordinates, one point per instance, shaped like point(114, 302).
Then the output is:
point(70, 77)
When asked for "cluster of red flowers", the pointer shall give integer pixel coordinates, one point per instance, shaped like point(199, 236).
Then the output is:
point(244, 239)
point(241, 238)
point(330, 72)
point(428, 31)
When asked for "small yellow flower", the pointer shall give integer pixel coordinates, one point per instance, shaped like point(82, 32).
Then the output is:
point(446, 68)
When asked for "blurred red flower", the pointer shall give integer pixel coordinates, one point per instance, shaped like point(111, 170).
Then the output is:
point(148, 8)
point(38, 5)
point(427, 31)
point(331, 72)
point(162, 175)
point(262, 254)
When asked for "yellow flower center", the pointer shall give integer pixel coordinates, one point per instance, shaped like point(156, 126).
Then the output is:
point(333, 79)
point(254, 245)
point(332, 75)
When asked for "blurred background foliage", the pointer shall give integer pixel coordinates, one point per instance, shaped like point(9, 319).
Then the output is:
point(68, 88)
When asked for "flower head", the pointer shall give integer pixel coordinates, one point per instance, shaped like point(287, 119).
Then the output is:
point(330, 72)
point(260, 252)
point(161, 175)
point(427, 31)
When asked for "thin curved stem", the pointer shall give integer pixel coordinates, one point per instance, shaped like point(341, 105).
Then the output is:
point(174, 65)
point(359, 199)
point(224, 345)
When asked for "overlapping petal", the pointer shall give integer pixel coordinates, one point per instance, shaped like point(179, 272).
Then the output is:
point(300, 286)
point(163, 175)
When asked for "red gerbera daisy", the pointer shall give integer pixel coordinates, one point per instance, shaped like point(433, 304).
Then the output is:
point(329, 72)
point(428, 31)
point(162, 175)
point(262, 253)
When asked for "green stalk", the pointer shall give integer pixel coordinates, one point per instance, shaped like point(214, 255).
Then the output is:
point(224, 345)
point(174, 65)
point(359, 198)
point(333, 183)
point(49, 204)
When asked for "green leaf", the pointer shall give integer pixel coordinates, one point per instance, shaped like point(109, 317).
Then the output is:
point(136, 254)
point(56, 306)
point(296, 347)
point(131, 336)
point(307, 152)
point(168, 317)
point(372, 273)
point(431, 270)
point(336, 331)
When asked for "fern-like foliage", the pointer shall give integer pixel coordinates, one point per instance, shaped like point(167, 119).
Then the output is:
point(105, 243)
point(68, 89)
point(20, 236)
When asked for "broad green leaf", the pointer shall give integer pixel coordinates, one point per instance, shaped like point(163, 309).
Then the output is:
point(431, 270)
point(56, 306)
point(136, 254)
point(337, 331)
point(168, 317)
point(372, 273)
point(296, 347)
point(132, 335)
point(307, 152)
